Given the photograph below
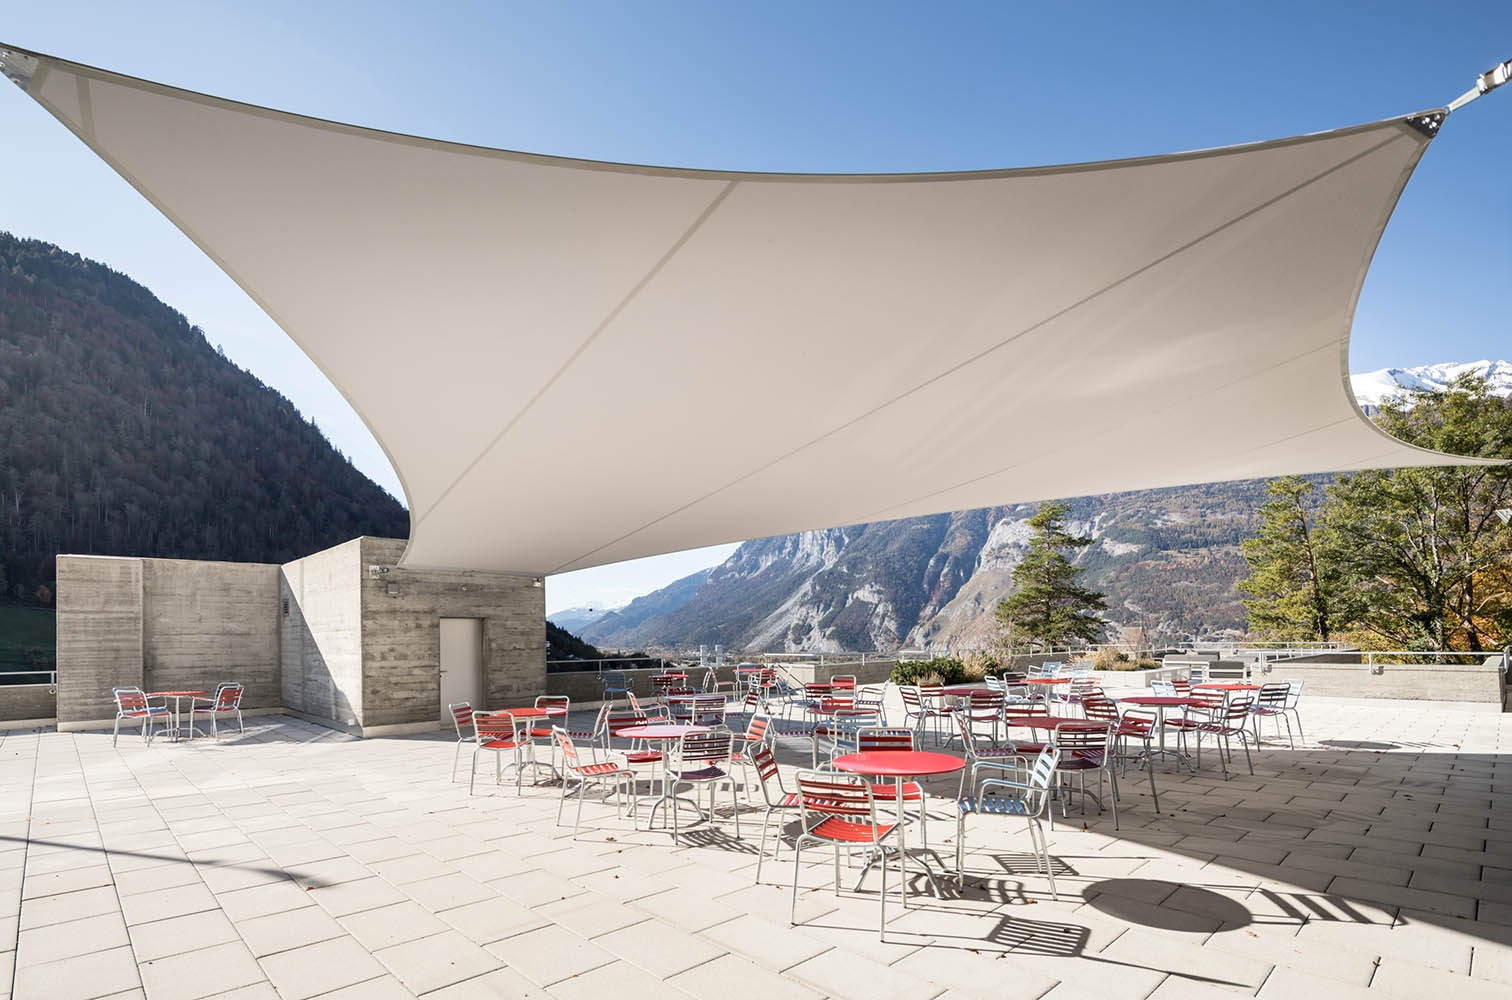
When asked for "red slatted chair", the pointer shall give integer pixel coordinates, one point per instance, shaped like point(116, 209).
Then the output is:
point(539, 730)
point(873, 696)
point(615, 722)
point(839, 810)
point(713, 685)
point(897, 739)
point(132, 706)
point(977, 750)
point(1086, 747)
point(1034, 742)
point(1271, 703)
point(936, 708)
point(226, 701)
point(985, 707)
point(662, 684)
point(840, 727)
point(1232, 721)
point(755, 735)
point(653, 711)
point(843, 682)
point(499, 733)
point(699, 710)
point(461, 713)
point(701, 759)
point(777, 798)
point(574, 769)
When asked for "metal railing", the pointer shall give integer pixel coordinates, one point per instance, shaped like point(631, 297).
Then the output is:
point(51, 678)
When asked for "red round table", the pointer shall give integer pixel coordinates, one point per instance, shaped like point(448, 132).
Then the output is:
point(177, 733)
point(1227, 686)
point(898, 765)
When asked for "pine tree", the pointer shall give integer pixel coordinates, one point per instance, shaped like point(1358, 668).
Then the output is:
point(1047, 607)
point(1290, 587)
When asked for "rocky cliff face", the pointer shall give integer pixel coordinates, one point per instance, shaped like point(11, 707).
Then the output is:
point(1164, 557)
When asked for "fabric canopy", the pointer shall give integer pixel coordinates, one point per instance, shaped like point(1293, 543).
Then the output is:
point(572, 363)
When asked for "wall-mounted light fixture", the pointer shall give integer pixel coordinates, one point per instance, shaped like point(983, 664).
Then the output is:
point(538, 582)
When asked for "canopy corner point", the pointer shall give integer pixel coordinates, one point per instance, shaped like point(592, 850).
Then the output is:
point(1484, 84)
point(18, 67)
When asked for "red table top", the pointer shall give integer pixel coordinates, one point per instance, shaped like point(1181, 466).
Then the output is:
point(1047, 680)
point(659, 732)
point(1227, 687)
point(969, 690)
point(751, 670)
point(175, 694)
point(527, 713)
point(1160, 701)
point(1043, 721)
point(899, 763)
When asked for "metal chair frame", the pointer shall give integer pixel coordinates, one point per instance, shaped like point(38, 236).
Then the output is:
point(602, 771)
point(227, 698)
point(1026, 794)
point(132, 703)
point(489, 733)
point(840, 810)
point(706, 751)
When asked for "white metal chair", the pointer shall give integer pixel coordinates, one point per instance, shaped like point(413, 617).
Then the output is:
point(1013, 788)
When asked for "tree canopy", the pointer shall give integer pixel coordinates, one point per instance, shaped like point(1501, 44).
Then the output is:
point(1048, 607)
point(1413, 559)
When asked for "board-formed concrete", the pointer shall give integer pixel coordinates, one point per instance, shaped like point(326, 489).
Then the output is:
point(339, 637)
point(320, 634)
point(99, 601)
point(401, 636)
point(208, 622)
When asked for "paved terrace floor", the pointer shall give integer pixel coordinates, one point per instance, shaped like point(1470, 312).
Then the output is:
point(1375, 861)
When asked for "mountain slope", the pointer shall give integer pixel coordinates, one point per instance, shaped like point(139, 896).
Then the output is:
point(1372, 387)
point(124, 432)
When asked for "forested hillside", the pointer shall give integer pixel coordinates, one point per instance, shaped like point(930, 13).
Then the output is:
point(124, 432)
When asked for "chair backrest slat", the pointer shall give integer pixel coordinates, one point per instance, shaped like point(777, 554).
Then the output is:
point(886, 739)
point(830, 794)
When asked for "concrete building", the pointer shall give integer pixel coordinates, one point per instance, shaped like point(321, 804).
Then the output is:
point(344, 637)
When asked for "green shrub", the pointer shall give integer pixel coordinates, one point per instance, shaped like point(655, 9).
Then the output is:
point(940, 669)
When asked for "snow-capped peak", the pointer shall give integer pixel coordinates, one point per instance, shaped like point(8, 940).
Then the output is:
point(1372, 387)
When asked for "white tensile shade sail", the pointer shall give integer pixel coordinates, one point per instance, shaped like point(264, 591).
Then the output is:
point(573, 363)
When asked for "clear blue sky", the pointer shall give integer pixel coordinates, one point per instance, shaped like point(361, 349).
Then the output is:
point(829, 86)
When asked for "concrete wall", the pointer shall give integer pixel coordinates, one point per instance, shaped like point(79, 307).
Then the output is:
point(162, 624)
point(208, 622)
point(1344, 675)
point(320, 634)
point(34, 703)
point(401, 635)
point(99, 601)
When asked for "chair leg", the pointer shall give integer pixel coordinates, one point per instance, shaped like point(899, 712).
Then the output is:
point(472, 777)
point(797, 860)
point(457, 761)
point(561, 801)
point(1247, 759)
point(577, 821)
point(882, 904)
point(115, 733)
